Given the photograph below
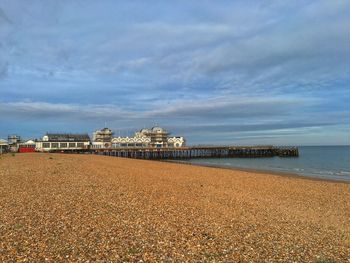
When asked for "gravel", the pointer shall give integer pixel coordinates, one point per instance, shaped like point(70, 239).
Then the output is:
point(86, 208)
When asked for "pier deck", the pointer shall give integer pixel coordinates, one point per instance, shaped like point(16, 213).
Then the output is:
point(199, 152)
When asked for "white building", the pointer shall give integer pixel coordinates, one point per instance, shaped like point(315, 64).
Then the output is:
point(13, 142)
point(64, 142)
point(4, 146)
point(155, 137)
point(131, 142)
point(104, 135)
point(102, 139)
point(176, 142)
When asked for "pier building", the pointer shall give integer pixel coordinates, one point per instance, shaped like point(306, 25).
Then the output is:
point(63, 142)
point(102, 138)
point(103, 135)
point(156, 137)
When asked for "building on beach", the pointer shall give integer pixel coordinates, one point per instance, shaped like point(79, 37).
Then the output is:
point(4, 146)
point(13, 139)
point(102, 138)
point(104, 135)
point(13, 142)
point(27, 146)
point(63, 142)
point(155, 137)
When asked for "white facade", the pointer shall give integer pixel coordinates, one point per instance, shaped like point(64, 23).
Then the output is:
point(100, 145)
point(43, 146)
point(130, 142)
point(63, 142)
point(3, 146)
point(154, 137)
point(104, 135)
point(176, 142)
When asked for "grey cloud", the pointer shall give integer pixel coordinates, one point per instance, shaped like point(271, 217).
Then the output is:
point(230, 129)
point(43, 110)
point(279, 48)
point(243, 110)
point(235, 107)
point(204, 109)
point(232, 65)
point(204, 127)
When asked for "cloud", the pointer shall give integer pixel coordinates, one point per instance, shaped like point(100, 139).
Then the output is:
point(234, 107)
point(68, 112)
point(224, 66)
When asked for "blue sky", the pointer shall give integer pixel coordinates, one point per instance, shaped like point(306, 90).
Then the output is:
point(217, 72)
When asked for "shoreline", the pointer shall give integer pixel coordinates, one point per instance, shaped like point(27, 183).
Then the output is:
point(249, 170)
point(260, 171)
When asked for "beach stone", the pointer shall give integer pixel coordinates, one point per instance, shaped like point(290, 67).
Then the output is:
point(86, 208)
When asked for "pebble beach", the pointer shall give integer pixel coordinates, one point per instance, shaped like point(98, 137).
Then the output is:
point(88, 208)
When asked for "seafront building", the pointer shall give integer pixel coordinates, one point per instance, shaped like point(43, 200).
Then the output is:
point(155, 137)
point(104, 135)
point(27, 146)
point(102, 138)
point(4, 146)
point(62, 141)
point(13, 142)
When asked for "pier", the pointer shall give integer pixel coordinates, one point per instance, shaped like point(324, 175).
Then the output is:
point(199, 152)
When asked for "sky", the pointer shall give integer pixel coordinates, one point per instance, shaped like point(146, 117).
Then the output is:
point(216, 72)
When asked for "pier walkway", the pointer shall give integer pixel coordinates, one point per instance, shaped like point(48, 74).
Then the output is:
point(199, 152)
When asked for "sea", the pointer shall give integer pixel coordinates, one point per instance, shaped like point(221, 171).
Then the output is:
point(325, 162)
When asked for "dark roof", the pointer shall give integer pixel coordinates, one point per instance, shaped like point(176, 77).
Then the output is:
point(63, 137)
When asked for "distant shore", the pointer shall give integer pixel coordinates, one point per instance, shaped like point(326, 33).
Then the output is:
point(60, 207)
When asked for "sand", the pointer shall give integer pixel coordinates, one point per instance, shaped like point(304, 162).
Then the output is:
point(58, 207)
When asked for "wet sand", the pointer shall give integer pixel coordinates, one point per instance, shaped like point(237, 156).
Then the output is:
point(261, 171)
point(59, 207)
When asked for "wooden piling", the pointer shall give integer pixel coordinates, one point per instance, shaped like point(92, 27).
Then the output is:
point(199, 152)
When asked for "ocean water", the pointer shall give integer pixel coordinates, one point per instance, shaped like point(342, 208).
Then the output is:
point(327, 162)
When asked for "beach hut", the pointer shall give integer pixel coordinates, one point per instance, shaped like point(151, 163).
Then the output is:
point(27, 147)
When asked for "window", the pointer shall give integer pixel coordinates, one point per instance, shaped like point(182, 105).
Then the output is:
point(63, 145)
point(72, 145)
point(46, 145)
point(80, 144)
point(54, 145)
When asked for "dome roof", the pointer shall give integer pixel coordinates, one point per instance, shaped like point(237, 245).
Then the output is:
point(144, 130)
point(157, 129)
